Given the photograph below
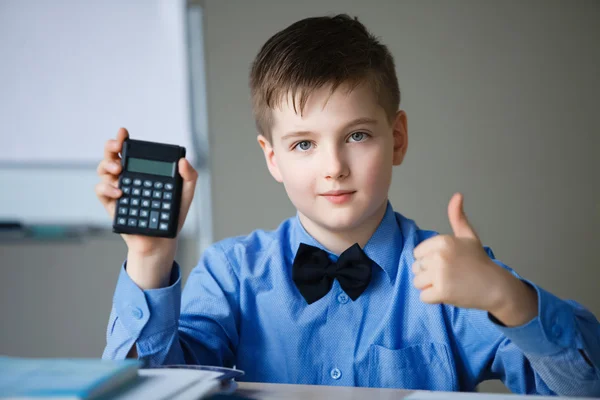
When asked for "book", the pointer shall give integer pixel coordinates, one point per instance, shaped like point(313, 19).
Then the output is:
point(64, 378)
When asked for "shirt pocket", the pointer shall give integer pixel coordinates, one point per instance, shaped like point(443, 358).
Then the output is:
point(418, 367)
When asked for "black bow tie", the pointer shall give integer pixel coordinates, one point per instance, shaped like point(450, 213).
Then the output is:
point(313, 272)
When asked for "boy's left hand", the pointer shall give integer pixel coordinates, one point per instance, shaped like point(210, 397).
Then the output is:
point(455, 269)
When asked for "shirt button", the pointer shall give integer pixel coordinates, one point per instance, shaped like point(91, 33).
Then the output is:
point(336, 373)
point(137, 313)
point(342, 298)
point(556, 331)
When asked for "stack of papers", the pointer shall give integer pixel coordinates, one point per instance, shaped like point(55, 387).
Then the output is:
point(49, 378)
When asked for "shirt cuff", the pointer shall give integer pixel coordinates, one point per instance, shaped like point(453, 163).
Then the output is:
point(550, 332)
point(144, 313)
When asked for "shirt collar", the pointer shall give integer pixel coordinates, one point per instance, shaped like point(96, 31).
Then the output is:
point(384, 247)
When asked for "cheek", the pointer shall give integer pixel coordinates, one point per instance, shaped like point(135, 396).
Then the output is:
point(375, 169)
point(296, 173)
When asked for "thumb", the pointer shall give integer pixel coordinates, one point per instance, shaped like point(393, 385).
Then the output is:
point(190, 176)
point(187, 172)
point(458, 220)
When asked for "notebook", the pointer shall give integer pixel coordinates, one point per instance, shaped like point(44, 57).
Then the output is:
point(63, 378)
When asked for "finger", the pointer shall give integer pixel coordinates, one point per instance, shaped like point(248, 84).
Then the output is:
point(430, 296)
point(432, 245)
point(458, 220)
point(190, 177)
point(419, 266)
point(108, 167)
point(107, 194)
point(423, 280)
point(113, 147)
point(112, 180)
point(187, 172)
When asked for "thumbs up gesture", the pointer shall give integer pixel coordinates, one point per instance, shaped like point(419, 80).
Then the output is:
point(455, 269)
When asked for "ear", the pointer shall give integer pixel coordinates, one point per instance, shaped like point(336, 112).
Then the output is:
point(267, 149)
point(400, 132)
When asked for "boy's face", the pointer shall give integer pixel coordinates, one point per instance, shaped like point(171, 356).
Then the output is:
point(336, 160)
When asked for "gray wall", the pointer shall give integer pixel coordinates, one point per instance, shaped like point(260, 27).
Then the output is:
point(501, 100)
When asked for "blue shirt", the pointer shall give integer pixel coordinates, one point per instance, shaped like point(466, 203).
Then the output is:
point(240, 307)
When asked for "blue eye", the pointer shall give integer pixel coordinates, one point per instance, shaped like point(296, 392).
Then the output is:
point(358, 136)
point(304, 145)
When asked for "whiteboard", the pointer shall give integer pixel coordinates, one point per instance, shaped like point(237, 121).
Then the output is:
point(74, 71)
point(71, 74)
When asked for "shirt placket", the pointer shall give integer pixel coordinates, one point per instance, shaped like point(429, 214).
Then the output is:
point(338, 369)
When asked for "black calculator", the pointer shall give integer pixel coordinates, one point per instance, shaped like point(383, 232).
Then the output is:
point(151, 187)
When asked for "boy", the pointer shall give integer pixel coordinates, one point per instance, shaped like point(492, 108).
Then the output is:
point(348, 292)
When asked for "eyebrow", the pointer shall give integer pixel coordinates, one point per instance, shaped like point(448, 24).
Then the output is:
point(355, 122)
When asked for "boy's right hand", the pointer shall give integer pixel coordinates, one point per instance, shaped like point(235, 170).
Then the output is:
point(149, 259)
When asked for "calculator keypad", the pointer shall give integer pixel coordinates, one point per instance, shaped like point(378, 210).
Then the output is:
point(145, 204)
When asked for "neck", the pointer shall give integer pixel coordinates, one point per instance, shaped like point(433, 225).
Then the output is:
point(338, 241)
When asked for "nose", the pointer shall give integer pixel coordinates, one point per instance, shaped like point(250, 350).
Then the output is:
point(334, 164)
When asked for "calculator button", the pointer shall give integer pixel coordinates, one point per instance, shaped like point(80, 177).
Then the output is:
point(146, 203)
point(147, 183)
point(154, 219)
point(137, 182)
point(164, 215)
point(168, 196)
point(168, 186)
point(122, 221)
point(124, 200)
point(126, 189)
point(133, 212)
point(164, 226)
point(132, 222)
point(155, 204)
point(143, 223)
point(126, 181)
point(135, 202)
point(147, 193)
point(136, 192)
point(157, 194)
point(166, 206)
point(158, 185)
point(144, 213)
point(123, 210)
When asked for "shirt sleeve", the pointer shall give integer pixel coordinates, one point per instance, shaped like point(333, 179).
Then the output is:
point(163, 331)
point(562, 344)
point(557, 352)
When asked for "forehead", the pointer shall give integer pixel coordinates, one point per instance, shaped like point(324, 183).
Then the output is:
point(325, 111)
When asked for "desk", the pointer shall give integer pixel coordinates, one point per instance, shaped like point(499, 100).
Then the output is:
point(269, 391)
point(272, 391)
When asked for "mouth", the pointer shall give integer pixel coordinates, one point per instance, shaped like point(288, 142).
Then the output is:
point(338, 196)
point(338, 192)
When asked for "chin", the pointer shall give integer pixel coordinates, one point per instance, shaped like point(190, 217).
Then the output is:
point(340, 220)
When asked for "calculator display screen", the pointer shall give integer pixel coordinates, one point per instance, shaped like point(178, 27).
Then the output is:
point(151, 167)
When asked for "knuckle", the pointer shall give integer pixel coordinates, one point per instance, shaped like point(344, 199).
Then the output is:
point(440, 258)
point(98, 189)
point(446, 241)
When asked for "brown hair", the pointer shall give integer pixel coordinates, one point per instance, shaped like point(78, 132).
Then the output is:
point(315, 52)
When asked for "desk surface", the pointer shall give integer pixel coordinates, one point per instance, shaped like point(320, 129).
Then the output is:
point(270, 391)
